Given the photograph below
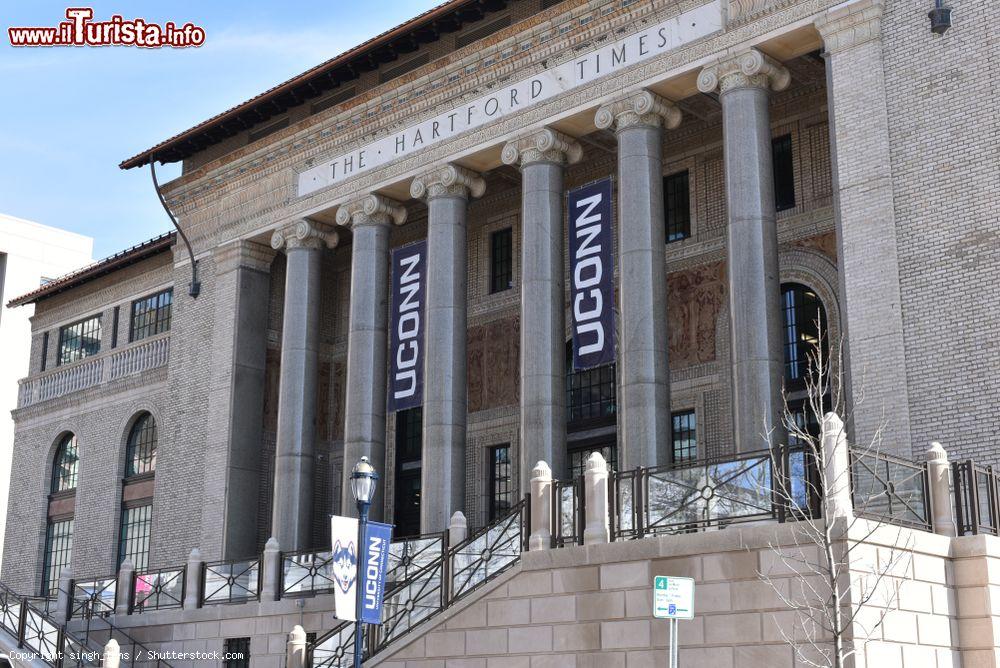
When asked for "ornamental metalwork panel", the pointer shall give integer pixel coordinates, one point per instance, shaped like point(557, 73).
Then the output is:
point(695, 495)
point(407, 556)
point(890, 489)
point(304, 573)
point(94, 597)
point(10, 611)
point(158, 590)
point(410, 603)
point(486, 554)
point(335, 649)
point(567, 509)
point(41, 636)
point(976, 498)
point(626, 488)
point(231, 581)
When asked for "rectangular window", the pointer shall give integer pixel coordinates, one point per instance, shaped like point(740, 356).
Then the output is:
point(501, 263)
point(578, 459)
point(45, 349)
point(501, 490)
point(591, 393)
point(151, 315)
point(79, 340)
point(784, 173)
point(58, 553)
point(114, 328)
point(236, 653)
point(677, 206)
point(409, 437)
point(133, 541)
point(684, 433)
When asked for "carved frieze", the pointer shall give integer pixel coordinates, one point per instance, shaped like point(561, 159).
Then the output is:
point(694, 300)
point(493, 356)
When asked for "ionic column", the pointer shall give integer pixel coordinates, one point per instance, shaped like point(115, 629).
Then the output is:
point(542, 156)
point(744, 82)
point(303, 242)
point(446, 190)
point(370, 219)
point(643, 370)
point(864, 210)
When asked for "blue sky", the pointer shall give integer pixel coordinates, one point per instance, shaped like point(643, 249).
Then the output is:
point(68, 116)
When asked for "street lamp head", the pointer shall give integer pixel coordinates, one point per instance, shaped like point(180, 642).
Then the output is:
point(363, 479)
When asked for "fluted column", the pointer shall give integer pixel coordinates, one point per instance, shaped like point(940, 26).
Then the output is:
point(542, 156)
point(638, 120)
point(744, 82)
point(446, 190)
point(303, 242)
point(370, 219)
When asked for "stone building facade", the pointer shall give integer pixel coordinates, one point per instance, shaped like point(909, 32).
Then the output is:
point(840, 147)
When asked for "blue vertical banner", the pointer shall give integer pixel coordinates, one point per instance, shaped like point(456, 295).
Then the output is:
point(406, 348)
point(374, 564)
point(592, 272)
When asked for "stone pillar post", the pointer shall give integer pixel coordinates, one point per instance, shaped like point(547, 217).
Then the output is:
point(542, 156)
point(112, 654)
point(942, 502)
point(836, 468)
point(192, 580)
point(270, 570)
point(369, 218)
point(865, 216)
point(123, 588)
point(597, 528)
point(541, 508)
point(458, 528)
point(754, 283)
point(64, 595)
point(295, 649)
point(303, 242)
point(446, 189)
point(643, 369)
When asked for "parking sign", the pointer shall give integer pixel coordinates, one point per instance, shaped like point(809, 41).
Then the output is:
point(673, 597)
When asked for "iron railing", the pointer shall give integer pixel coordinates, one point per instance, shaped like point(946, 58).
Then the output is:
point(567, 512)
point(411, 554)
point(976, 498)
point(230, 581)
point(890, 489)
point(30, 620)
point(95, 596)
point(159, 589)
point(306, 573)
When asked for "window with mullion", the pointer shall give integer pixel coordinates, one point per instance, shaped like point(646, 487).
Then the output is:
point(151, 315)
point(237, 653)
point(685, 443)
point(501, 489)
point(65, 466)
point(140, 453)
point(79, 340)
point(58, 554)
point(578, 459)
point(677, 206)
point(133, 541)
point(501, 260)
point(804, 324)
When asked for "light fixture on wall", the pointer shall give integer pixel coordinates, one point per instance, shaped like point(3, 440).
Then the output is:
point(940, 18)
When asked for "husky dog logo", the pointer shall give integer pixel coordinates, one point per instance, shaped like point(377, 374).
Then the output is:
point(345, 565)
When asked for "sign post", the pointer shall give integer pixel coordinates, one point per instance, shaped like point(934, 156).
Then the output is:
point(673, 599)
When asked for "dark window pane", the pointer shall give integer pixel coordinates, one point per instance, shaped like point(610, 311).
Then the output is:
point(133, 541)
point(140, 454)
point(409, 440)
point(677, 206)
point(784, 174)
point(236, 653)
point(58, 553)
point(151, 315)
point(45, 349)
point(501, 489)
point(64, 468)
point(804, 320)
point(590, 393)
point(501, 263)
point(685, 436)
point(79, 340)
point(578, 459)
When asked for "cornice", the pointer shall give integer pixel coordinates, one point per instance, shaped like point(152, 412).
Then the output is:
point(844, 27)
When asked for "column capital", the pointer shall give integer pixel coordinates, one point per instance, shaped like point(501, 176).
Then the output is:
point(448, 180)
point(371, 209)
point(545, 145)
point(749, 69)
point(641, 107)
point(846, 26)
point(304, 233)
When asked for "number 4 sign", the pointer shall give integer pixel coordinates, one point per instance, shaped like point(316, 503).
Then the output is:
point(673, 597)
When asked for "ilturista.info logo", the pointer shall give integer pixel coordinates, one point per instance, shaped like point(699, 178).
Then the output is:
point(81, 30)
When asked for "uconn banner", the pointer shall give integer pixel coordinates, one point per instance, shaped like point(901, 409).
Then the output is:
point(406, 351)
point(592, 275)
point(344, 567)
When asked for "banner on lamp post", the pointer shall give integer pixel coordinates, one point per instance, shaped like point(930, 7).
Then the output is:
point(375, 553)
point(592, 271)
point(374, 560)
point(406, 320)
point(344, 566)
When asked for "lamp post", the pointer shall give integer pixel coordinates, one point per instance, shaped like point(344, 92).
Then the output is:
point(363, 479)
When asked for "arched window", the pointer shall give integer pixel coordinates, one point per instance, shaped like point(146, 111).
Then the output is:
point(64, 467)
point(140, 453)
point(804, 322)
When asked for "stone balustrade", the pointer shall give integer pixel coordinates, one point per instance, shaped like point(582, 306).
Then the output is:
point(115, 364)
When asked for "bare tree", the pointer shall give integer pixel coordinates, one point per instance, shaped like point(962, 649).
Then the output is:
point(840, 594)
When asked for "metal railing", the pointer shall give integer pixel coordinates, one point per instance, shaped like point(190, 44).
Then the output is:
point(411, 554)
point(230, 581)
point(159, 589)
point(976, 498)
point(890, 489)
point(567, 512)
point(95, 596)
point(306, 573)
point(30, 620)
